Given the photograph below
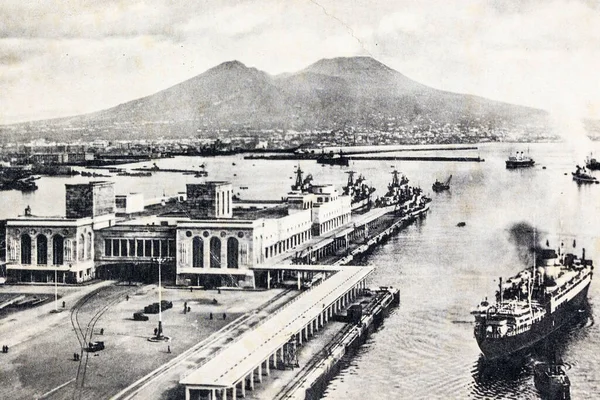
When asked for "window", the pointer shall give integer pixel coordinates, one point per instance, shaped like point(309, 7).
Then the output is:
point(123, 247)
point(58, 250)
point(42, 249)
point(215, 252)
point(198, 252)
point(148, 248)
point(116, 247)
point(140, 248)
point(232, 253)
point(132, 247)
point(156, 248)
point(107, 247)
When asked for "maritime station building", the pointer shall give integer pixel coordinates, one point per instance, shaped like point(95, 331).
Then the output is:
point(203, 241)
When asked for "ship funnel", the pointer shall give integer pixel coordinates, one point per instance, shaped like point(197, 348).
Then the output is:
point(583, 254)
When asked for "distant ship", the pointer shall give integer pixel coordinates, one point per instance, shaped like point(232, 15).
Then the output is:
point(358, 190)
point(397, 190)
point(441, 186)
point(592, 163)
point(532, 304)
point(519, 161)
point(333, 159)
point(581, 176)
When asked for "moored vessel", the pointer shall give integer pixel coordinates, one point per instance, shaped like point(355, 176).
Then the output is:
point(519, 160)
point(333, 159)
point(581, 176)
point(359, 191)
point(532, 304)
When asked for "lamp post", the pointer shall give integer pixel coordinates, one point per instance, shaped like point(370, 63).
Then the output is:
point(159, 334)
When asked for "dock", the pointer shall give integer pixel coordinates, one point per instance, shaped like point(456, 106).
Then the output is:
point(242, 363)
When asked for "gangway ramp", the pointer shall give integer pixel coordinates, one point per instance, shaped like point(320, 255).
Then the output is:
point(238, 363)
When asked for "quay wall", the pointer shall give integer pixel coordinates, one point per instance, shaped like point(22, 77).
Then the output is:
point(344, 346)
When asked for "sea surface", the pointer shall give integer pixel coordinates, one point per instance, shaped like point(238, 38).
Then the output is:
point(426, 348)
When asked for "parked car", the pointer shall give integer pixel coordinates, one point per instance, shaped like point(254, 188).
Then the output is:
point(95, 346)
point(153, 308)
point(140, 316)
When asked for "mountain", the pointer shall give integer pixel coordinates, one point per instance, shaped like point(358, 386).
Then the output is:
point(357, 92)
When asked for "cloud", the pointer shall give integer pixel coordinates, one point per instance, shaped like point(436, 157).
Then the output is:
point(66, 57)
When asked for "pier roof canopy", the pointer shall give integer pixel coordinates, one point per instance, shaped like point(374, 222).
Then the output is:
point(255, 346)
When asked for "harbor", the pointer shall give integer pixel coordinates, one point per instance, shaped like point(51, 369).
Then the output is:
point(387, 238)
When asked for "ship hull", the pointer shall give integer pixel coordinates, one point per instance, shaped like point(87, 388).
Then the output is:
point(494, 348)
point(519, 164)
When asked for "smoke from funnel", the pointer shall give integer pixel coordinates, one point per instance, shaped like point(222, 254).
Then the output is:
point(526, 240)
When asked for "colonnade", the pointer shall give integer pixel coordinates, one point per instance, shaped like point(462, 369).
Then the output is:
point(280, 359)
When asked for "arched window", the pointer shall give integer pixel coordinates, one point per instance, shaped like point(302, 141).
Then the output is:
point(25, 249)
point(215, 252)
point(232, 253)
point(58, 250)
point(198, 252)
point(88, 248)
point(81, 248)
point(42, 249)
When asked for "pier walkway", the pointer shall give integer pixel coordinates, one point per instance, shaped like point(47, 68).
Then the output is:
point(244, 362)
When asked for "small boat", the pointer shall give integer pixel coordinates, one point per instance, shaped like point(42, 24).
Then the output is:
point(551, 380)
point(581, 176)
point(461, 224)
point(441, 186)
point(592, 163)
point(519, 161)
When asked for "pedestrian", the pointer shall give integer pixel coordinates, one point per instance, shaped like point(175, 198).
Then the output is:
point(219, 290)
point(102, 331)
point(64, 304)
point(168, 349)
point(155, 331)
point(224, 316)
point(211, 316)
point(189, 309)
point(191, 289)
point(127, 297)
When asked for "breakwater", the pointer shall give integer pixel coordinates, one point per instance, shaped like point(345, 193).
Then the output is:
point(364, 158)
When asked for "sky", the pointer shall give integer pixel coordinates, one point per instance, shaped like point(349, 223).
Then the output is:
point(63, 57)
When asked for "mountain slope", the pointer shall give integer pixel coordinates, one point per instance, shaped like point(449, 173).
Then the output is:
point(331, 93)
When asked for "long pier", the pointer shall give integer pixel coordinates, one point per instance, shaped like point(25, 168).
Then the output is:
point(365, 158)
point(242, 364)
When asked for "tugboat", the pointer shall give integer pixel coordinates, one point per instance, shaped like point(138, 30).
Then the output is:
point(359, 191)
point(519, 161)
point(441, 186)
point(592, 163)
point(532, 304)
point(581, 176)
point(551, 381)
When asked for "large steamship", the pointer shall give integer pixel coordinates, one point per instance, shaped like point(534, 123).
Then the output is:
point(532, 304)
